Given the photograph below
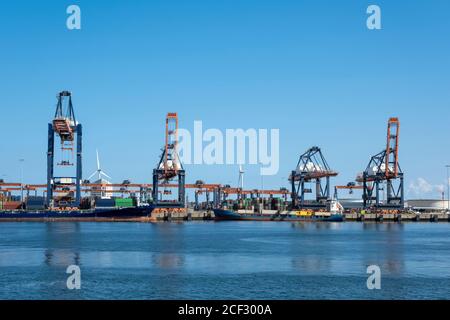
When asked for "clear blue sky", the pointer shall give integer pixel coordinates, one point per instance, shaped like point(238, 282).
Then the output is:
point(310, 68)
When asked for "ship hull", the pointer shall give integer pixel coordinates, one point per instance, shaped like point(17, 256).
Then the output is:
point(93, 214)
point(221, 214)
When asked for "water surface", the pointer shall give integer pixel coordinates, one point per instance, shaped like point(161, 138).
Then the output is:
point(224, 260)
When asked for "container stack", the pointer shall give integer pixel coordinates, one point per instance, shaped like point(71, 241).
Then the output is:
point(105, 203)
point(35, 203)
point(115, 203)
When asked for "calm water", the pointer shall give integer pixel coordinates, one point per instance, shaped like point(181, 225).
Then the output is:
point(225, 260)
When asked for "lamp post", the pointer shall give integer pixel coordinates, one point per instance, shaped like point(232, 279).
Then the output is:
point(262, 187)
point(448, 187)
point(21, 178)
point(262, 176)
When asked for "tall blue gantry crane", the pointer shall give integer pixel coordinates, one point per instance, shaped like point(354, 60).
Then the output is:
point(69, 131)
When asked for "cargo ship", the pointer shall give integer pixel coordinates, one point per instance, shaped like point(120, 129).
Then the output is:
point(77, 214)
point(104, 209)
point(334, 213)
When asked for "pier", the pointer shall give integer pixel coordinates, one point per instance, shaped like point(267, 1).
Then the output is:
point(400, 217)
point(204, 215)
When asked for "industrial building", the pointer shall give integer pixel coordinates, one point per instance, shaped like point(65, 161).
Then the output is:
point(428, 205)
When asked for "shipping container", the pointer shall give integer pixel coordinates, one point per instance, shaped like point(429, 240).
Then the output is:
point(12, 205)
point(65, 180)
point(124, 202)
point(35, 207)
point(105, 203)
point(35, 203)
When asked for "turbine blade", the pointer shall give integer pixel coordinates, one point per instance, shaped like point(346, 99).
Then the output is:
point(103, 173)
point(92, 175)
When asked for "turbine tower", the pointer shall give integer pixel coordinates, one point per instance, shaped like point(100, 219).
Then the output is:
point(241, 177)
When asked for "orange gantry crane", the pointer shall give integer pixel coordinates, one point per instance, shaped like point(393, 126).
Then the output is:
point(384, 168)
point(169, 168)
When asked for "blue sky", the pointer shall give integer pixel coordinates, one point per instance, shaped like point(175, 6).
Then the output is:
point(310, 68)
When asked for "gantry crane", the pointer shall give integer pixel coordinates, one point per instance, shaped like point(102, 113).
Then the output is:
point(169, 168)
point(384, 167)
point(65, 126)
point(311, 168)
point(222, 193)
point(351, 186)
point(202, 188)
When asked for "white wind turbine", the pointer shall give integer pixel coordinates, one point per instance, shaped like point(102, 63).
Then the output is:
point(241, 177)
point(99, 171)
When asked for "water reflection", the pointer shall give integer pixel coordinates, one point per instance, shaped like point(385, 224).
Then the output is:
point(169, 242)
point(56, 257)
point(324, 248)
point(311, 264)
point(386, 247)
point(59, 241)
point(316, 225)
point(224, 260)
point(383, 226)
point(167, 260)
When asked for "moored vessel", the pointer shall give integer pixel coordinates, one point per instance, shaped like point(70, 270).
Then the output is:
point(78, 214)
point(334, 213)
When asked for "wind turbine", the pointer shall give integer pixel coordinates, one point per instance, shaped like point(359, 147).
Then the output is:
point(99, 171)
point(241, 177)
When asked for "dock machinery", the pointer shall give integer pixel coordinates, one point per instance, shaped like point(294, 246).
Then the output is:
point(207, 189)
point(311, 168)
point(384, 167)
point(65, 126)
point(169, 169)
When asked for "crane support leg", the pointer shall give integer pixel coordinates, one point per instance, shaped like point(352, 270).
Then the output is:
point(216, 197)
point(377, 188)
point(181, 188)
point(302, 197)
point(327, 190)
point(50, 155)
point(79, 164)
point(155, 187)
point(402, 191)
point(196, 201)
point(365, 193)
point(318, 190)
point(294, 195)
point(208, 204)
